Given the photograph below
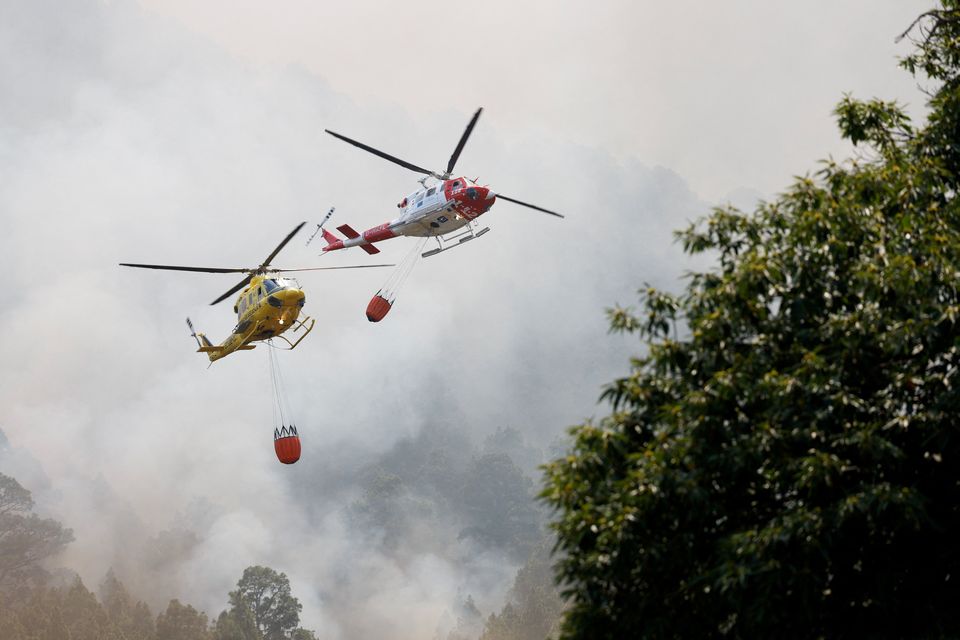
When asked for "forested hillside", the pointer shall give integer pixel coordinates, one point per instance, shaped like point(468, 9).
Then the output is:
point(434, 492)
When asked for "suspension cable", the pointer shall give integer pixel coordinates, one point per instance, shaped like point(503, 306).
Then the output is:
point(391, 288)
point(281, 406)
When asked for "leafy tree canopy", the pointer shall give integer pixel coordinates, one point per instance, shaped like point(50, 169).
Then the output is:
point(182, 622)
point(787, 465)
point(26, 539)
point(266, 594)
point(496, 504)
point(534, 607)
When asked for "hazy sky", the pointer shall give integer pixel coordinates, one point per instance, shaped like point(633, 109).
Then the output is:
point(728, 94)
point(192, 133)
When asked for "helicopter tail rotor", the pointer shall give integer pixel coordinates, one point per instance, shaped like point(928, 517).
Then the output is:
point(202, 340)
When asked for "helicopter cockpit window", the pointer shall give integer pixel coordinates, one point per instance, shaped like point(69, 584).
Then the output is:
point(455, 185)
point(472, 193)
point(431, 191)
point(270, 286)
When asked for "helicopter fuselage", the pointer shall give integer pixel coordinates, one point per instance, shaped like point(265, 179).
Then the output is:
point(432, 211)
point(265, 309)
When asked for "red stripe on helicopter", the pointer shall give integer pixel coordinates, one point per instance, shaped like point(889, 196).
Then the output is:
point(348, 231)
point(378, 233)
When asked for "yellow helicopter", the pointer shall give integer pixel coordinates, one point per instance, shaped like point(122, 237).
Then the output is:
point(269, 304)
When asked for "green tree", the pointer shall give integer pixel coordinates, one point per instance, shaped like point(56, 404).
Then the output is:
point(236, 624)
point(25, 538)
point(82, 615)
point(141, 623)
point(469, 621)
point(133, 621)
point(382, 506)
point(266, 594)
point(181, 622)
point(115, 597)
point(497, 507)
point(41, 613)
point(11, 626)
point(786, 464)
point(534, 608)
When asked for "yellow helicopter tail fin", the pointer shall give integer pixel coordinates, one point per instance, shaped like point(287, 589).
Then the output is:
point(202, 340)
point(203, 343)
point(217, 351)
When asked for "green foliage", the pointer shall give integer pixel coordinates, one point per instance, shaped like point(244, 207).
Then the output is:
point(386, 506)
point(437, 476)
point(262, 607)
point(74, 613)
point(534, 607)
point(266, 594)
point(13, 629)
point(236, 624)
point(496, 500)
point(469, 621)
point(131, 620)
point(787, 464)
point(26, 540)
point(181, 622)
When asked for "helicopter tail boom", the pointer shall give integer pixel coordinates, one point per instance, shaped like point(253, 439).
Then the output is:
point(215, 351)
point(355, 239)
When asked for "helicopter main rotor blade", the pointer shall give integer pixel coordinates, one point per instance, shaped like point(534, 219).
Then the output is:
point(169, 267)
point(280, 246)
point(385, 156)
point(232, 291)
point(500, 196)
point(355, 266)
point(463, 141)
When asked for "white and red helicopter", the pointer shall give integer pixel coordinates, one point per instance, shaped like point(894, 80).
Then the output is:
point(433, 211)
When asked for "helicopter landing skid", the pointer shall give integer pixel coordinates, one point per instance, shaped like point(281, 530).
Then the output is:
point(447, 243)
point(299, 324)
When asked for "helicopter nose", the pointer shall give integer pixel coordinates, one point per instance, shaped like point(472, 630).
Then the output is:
point(291, 297)
point(491, 195)
point(478, 193)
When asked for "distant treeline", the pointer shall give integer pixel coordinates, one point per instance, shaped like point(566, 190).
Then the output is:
point(492, 496)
